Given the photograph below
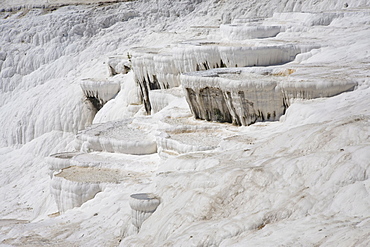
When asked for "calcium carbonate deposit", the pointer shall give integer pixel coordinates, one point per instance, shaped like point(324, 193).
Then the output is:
point(184, 123)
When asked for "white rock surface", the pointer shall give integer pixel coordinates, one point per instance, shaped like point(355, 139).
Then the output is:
point(9, 5)
point(185, 141)
point(242, 32)
point(126, 103)
point(159, 99)
point(244, 96)
point(161, 68)
point(69, 194)
point(73, 186)
point(119, 64)
point(100, 90)
point(143, 206)
point(59, 161)
point(298, 181)
point(117, 137)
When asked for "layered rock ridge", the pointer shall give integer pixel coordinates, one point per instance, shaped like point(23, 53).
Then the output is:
point(161, 68)
point(245, 96)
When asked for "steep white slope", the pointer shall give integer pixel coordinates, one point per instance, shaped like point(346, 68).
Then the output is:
point(25, 178)
point(8, 5)
point(56, 49)
point(44, 108)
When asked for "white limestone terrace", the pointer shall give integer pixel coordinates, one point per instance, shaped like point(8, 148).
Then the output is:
point(161, 98)
point(247, 95)
point(259, 28)
point(184, 134)
point(178, 142)
point(48, 38)
point(161, 68)
point(130, 163)
point(73, 186)
point(119, 137)
point(242, 45)
point(298, 181)
point(59, 161)
point(235, 32)
point(134, 166)
point(247, 42)
point(90, 173)
point(99, 91)
point(302, 21)
point(249, 28)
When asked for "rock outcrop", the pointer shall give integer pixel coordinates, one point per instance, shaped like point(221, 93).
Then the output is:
point(245, 96)
point(161, 68)
point(99, 91)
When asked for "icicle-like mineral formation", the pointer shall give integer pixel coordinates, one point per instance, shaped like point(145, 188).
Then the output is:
point(143, 206)
point(245, 96)
point(161, 68)
point(99, 91)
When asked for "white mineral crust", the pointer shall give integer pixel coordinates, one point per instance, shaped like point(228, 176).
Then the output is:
point(59, 161)
point(143, 206)
point(244, 96)
point(243, 32)
point(73, 186)
point(117, 137)
point(101, 89)
point(300, 180)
